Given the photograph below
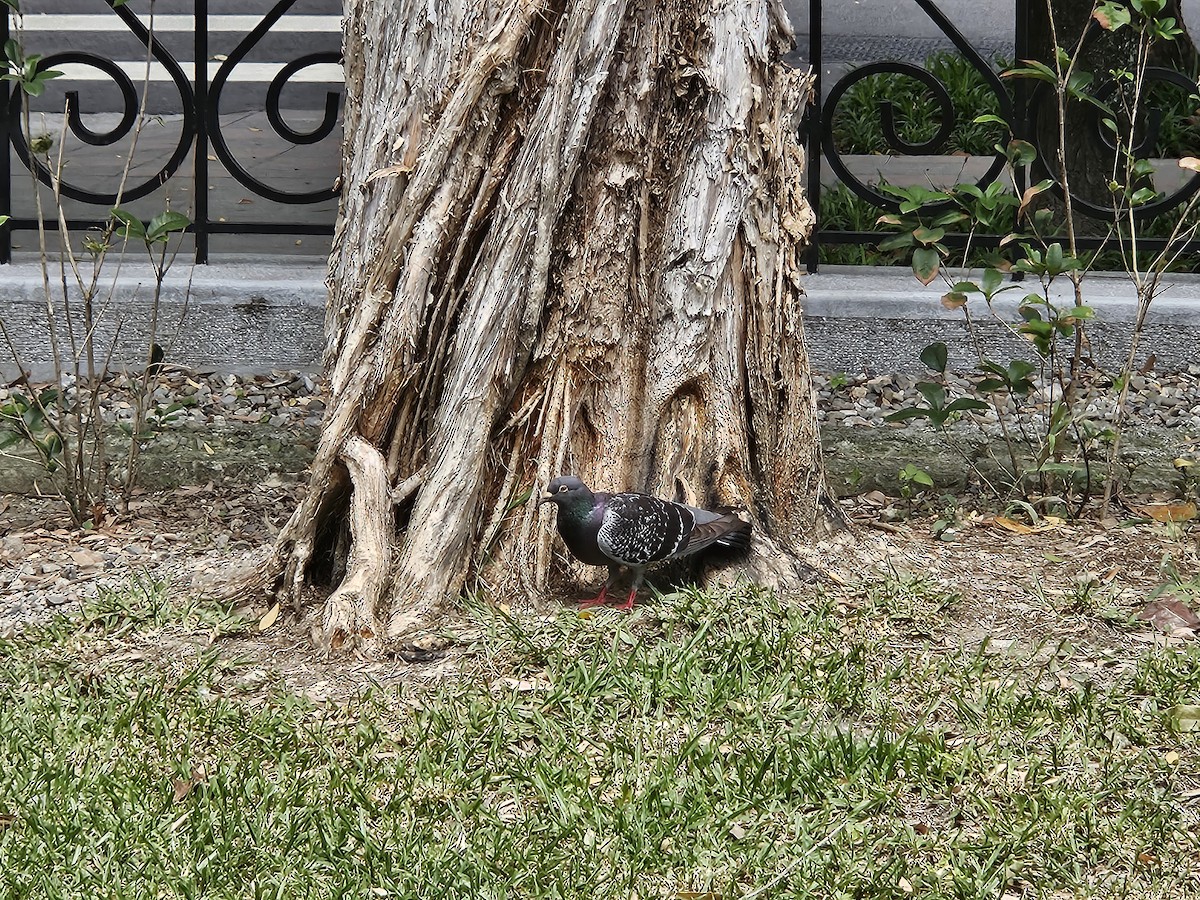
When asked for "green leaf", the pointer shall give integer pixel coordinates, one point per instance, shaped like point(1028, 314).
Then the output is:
point(951, 218)
point(1020, 153)
point(990, 119)
point(1067, 470)
point(36, 85)
point(934, 394)
point(991, 281)
point(935, 356)
point(987, 385)
point(928, 236)
point(925, 263)
point(914, 475)
point(1143, 195)
point(1054, 259)
point(965, 403)
point(164, 224)
point(1112, 16)
point(1143, 167)
point(1078, 82)
point(1031, 69)
point(1020, 369)
point(131, 225)
point(904, 239)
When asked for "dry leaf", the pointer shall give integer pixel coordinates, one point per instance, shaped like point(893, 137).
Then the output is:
point(905, 885)
point(269, 619)
point(736, 831)
point(1180, 511)
point(1170, 615)
point(1047, 523)
point(1185, 718)
point(1010, 525)
point(1030, 192)
point(183, 787)
point(1190, 162)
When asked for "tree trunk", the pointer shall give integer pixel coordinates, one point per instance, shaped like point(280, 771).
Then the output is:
point(569, 243)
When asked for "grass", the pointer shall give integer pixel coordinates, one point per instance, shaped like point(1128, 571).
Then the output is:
point(711, 745)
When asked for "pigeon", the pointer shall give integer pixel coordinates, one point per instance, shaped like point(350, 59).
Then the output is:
point(635, 530)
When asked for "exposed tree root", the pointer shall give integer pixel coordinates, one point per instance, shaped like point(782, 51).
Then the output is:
point(350, 620)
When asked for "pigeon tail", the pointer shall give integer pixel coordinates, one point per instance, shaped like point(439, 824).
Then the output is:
point(727, 530)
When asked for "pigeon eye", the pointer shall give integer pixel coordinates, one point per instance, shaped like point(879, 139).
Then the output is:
point(562, 488)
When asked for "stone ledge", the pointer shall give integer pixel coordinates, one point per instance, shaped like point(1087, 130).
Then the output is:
point(262, 314)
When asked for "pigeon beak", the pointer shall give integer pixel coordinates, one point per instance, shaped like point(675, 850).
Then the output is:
point(546, 498)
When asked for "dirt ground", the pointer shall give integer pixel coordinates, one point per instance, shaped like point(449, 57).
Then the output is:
point(1015, 586)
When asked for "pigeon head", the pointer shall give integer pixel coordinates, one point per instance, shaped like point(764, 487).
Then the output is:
point(568, 492)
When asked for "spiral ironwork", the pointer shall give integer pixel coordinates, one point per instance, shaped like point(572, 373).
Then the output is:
point(887, 112)
point(200, 129)
point(1043, 97)
point(129, 115)
point(274, 114)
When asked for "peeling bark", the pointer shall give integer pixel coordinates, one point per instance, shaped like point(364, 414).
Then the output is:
point(569, 242)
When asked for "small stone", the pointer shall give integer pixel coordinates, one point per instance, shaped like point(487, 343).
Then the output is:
point(59, 599)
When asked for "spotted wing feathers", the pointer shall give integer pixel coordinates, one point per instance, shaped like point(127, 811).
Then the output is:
point(638, 529)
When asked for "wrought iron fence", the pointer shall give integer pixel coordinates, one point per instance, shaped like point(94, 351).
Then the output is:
point(1017, 103)
point(201, 140)
point(203, 152)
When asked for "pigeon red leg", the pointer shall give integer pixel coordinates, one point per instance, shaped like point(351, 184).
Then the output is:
point(637, 583)
point(601, 598)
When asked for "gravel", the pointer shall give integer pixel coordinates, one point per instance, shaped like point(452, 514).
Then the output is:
point(181, 400)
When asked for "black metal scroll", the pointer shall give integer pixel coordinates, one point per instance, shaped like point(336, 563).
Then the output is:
point(199, 126)
point(1020, 108)
point(274, 115)
point(949, 115)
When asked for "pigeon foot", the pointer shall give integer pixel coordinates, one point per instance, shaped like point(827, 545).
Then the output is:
point(628, 604)
point(599, 600)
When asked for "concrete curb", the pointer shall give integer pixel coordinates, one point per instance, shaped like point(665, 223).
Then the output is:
point(261, 314)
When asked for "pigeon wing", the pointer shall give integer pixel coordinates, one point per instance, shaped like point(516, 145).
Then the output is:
point(638, 529)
